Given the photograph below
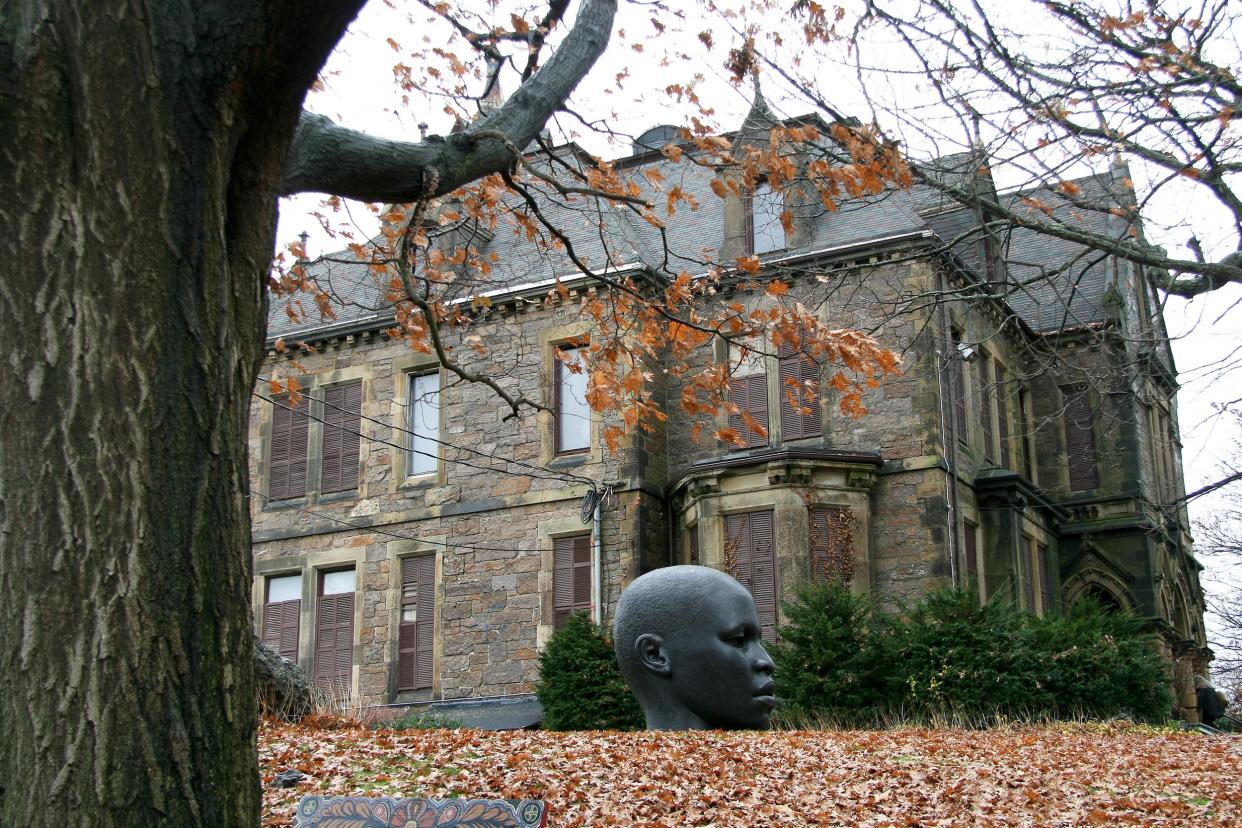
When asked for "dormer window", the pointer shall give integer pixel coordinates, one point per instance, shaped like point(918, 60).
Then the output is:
point(765, 232)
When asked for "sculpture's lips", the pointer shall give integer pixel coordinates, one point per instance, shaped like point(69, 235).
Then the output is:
point(764, 694)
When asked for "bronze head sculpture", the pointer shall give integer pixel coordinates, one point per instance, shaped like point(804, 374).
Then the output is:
point(687, 641)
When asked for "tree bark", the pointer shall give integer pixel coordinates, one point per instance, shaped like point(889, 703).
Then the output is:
point(143, 149)
point(141, 157)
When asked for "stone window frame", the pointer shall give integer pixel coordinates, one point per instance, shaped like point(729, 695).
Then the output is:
point(1025, 409)
point(311, 566)
point(962, 378)
point(750, 231)
point(551, 339)
point(313, 387)
point(398, 550)
point(403, 368)
point(1071, 393)
point(972, 525)
point(988, 428)
point(1033, 535)
point(548, 531)
point(723, 354)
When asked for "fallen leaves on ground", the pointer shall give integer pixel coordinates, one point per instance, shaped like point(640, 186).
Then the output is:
point(1110, 774)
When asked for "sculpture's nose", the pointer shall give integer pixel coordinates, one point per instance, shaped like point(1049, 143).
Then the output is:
point(763, 662)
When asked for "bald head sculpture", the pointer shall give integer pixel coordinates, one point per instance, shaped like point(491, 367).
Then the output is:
point(687, 641)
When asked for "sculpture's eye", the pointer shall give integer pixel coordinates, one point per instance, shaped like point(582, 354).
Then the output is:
point(736, 639)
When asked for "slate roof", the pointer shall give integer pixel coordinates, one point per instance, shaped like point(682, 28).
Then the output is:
point(1059, 284)
point(1047, 296)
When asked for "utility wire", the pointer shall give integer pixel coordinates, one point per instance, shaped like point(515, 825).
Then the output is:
point(397, 535)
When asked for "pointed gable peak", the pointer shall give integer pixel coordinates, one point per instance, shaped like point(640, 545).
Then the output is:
point(759, 121)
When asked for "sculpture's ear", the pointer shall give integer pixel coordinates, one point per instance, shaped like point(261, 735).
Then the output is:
point(653, 654)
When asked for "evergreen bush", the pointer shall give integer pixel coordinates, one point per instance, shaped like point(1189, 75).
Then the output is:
point(828, 655)
point(580, 685)
point(952, 659)
point(1099, 663)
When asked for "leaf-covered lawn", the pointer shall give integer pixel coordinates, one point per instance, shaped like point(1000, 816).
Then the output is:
point(1059, 775)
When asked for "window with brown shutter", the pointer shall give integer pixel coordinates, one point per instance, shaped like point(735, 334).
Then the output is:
point(832, 557)
point(694, 544)
point(334, 631)
point(1045, 585)
point(571, 577)
point(281, 613)
point(1002, 415)
point(342, 421)
point(985, 406)
point(1026, 574)
point(286, 477)
point(750, 394)
point(957, 375)
point(1025, 435)
point(1080, 438)
point(416, 632)
point(970, 551)
point(749, 553)
point(799, 403)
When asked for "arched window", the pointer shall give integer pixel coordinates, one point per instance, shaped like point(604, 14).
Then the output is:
point(1102, 596)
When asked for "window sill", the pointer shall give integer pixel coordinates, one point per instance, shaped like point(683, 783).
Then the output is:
point(569, 461)
point(336, 497)
point(283, 505)
point(419, 482)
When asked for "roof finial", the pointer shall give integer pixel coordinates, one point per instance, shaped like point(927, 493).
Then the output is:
point(760, 120)
point(492, 98)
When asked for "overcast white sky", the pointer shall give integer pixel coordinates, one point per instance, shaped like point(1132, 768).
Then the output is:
point(360, 93)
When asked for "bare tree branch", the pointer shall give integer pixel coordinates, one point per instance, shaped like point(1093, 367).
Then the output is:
point(325, 157)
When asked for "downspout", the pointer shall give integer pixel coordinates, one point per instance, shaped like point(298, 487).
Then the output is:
point(597, 580)
point(948, 444)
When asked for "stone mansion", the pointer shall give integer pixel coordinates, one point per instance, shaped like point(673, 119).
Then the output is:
point(412, 545)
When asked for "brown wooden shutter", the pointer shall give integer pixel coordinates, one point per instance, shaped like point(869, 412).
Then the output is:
point(985, 407)
point(287, 459)
point(694, 544)
point(831, 558)
point(1025, 436)
point(342, 421)
point(749, 536)
point(280, 627)
point(1045, 587)
point(1028, 581)
point(1080, 439)
point(415, 639)
point(1002, 415)
point(334, 642)
point(750, 394)
point(970, 552)
point(798, 373)
point(571, 577)
point(958, 377)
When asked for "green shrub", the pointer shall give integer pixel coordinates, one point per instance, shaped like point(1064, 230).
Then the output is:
point(951, 660)
point(829, 656)
point(580, 685)
point(959, 660)
point(1097, 663)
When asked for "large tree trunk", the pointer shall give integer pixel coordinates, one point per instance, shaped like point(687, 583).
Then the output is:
point(142, 146)
point(140, 162)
